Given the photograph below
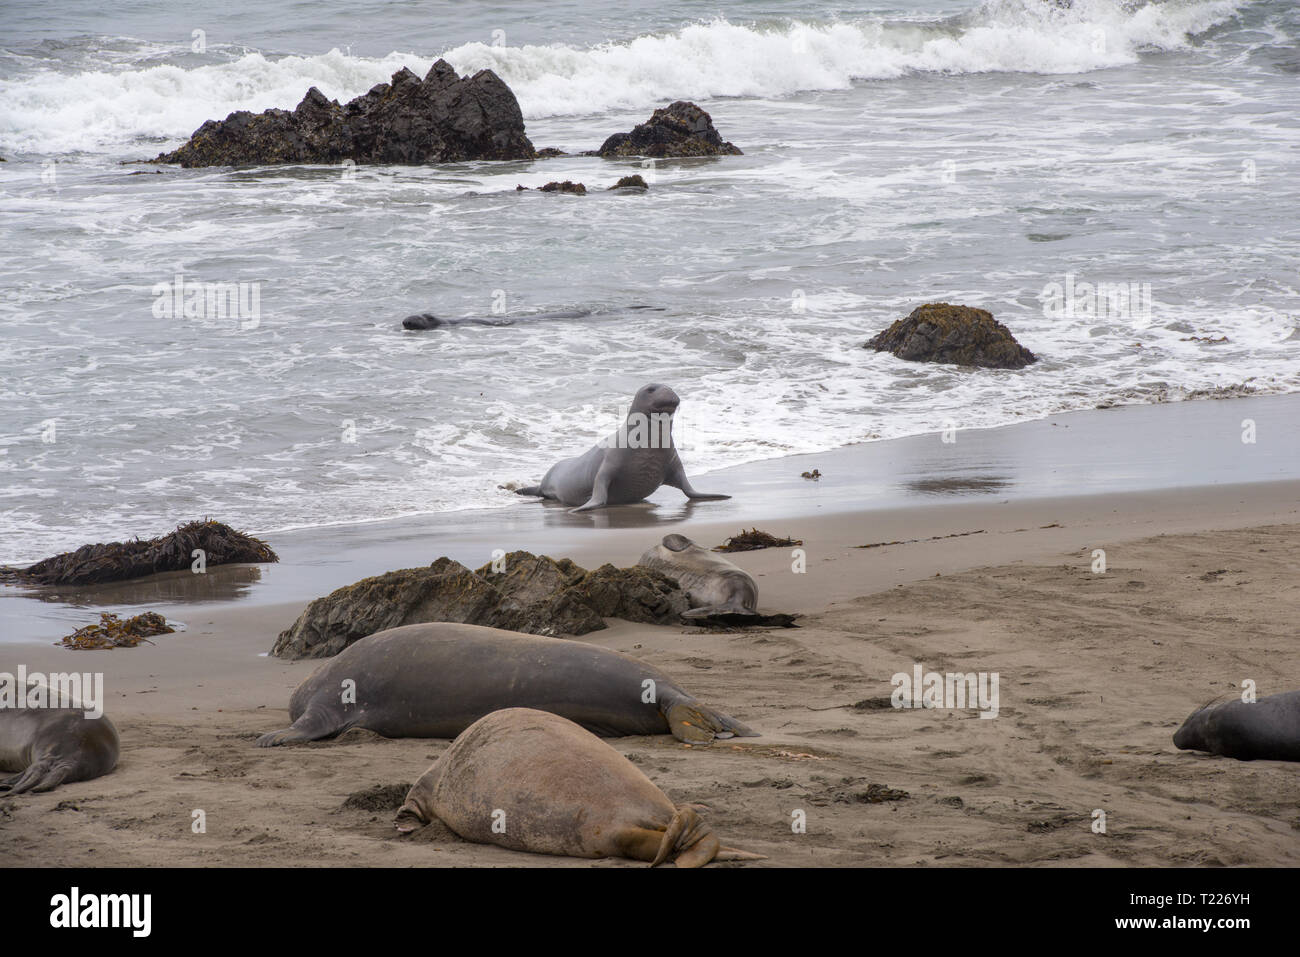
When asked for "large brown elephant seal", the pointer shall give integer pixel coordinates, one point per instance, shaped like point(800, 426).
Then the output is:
point(532, 781)
point(435, 680)
point(1268, 728)
point(627, 466)
point(715, 587)
point(53, 746)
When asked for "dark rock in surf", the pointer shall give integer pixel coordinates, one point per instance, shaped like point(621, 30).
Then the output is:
point(534, 594)
point(443, 118)
point(549, 152)
point(568, 186)
point(631, 182)
point(682, 129)
point(118, 561)
point(939, 332)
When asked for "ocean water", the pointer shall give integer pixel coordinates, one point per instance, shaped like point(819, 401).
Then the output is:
point(896, 153)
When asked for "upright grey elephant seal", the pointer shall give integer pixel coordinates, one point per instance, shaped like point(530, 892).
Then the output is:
point(627, 466)
point(715, 587)
point(435, 680)
point(532, 781)
point(53, 746)
point(1268, 728)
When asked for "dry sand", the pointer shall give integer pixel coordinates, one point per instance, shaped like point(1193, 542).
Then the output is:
point(1096, 672)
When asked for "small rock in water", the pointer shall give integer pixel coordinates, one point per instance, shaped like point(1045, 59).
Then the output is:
point(961, 335)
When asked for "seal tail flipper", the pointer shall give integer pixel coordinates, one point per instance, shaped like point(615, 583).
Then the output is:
point(710, 610)
point(39, 776)
point(734, 854)
point(688, 839)
point(693, 723)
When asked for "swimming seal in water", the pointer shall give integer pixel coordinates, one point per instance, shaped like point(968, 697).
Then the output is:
point(532, 781)
point(435, 680)
point(1262, 729)
point(627, 466)
point(53, 746)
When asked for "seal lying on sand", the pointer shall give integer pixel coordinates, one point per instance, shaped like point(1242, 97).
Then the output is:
point(53, 746)
point(1267, 728)
point(435, 680)
point(716, 588)
point(532, 781)
point(627, 466)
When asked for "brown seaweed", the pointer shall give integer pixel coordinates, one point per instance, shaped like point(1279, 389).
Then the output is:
point(113, 632)
point(754, 539)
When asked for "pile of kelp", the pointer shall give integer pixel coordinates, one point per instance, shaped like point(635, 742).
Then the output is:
point(754, 539)
point(113, 632)
point(118, 561)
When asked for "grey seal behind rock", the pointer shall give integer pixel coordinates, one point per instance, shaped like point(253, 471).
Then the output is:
point(435, 680)
point(532, 781)
point(1268, 728)
point(53, 746)
point(716, 588)
point(627, 466)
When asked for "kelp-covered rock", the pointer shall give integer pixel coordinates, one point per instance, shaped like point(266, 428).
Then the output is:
point(118, 561)
point(533, 593)
point(443, 118)
point(631, 182)
point(568, 186)
point(682, 129)
point(939, 332)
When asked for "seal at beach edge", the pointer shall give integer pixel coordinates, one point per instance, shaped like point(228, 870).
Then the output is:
point(53, 746)
point(1268, 728)
point(715, 587)
point(435, 680)
point(532, 781)
point(627, 466)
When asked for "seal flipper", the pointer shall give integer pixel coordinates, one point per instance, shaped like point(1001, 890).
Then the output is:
point(530, 490)
point(38, 776)
point(692, 722)
point(311, 726)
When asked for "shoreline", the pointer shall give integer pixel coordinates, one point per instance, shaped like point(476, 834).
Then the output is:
point(915, 487)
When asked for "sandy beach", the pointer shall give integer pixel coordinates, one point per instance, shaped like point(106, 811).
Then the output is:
point(1096, 671)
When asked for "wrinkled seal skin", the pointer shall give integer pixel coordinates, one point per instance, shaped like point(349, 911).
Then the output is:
point(435, 680)
point(713, 585)
point(562, 790)
point(1268, 728)
point(53, 746)
point(612, 473)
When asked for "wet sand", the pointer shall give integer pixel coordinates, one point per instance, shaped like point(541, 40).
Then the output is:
point(1096, 672)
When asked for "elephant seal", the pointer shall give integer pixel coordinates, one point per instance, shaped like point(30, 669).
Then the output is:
point(53, 746)
point(627, 466)
point(716, 588)
point(532, 781)
point(427, 320)
point(435, 680)
point(1268, 728)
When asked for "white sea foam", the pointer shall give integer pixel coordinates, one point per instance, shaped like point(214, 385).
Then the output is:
point(116, 109)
